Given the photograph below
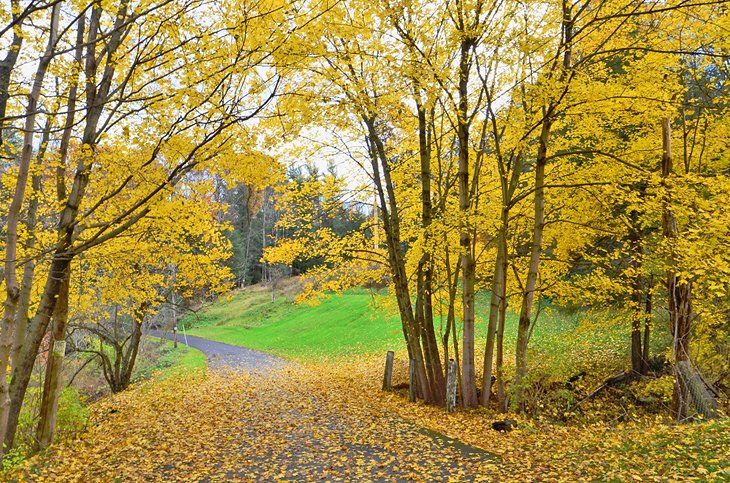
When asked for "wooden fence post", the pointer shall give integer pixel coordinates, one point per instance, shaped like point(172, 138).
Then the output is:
point(412, 380)
point(388, 371)
point(451, 387)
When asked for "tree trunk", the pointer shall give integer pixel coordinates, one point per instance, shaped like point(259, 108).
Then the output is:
point(425, 270)
point(639, 285)
point(7, 65)
point(502, 399)
point(26, 284)
point(389, 212)
point(528, 295)
point(37, 329)
point(647, 328)
point(11, 282)
point(637, 316)
point(679, 290)
point(130, 355)
point(53, 385)
point(468, 266)
point(498, 293)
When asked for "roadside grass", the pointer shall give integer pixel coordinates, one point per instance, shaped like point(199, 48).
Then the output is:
point(174, 362)
point(340, 326)
point(365, 322)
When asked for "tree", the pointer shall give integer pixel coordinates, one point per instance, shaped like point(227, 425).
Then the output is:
point(186, 117)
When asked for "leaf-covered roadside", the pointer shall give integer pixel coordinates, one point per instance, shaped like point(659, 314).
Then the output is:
point(645, 449)
point(240, 427)
point(331, 421)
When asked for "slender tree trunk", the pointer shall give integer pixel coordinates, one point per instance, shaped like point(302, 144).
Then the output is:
point(636, 343)
point(11, 282)
point(37, 329)
point(528, 295)
point(640, 288)
point(494, 306)
point(637, 314)
point(678, 288)
point(502, 400)
point(31, 218)
point(647, 327)
point(508, 189)
point(468, 265)
point(8, 64)
point(425, 267)
point(132, 349)
point(389, 211)
point(53, 384)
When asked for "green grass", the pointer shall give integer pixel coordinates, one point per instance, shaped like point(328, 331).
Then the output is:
point(360, 321)
point(340, 325)
point(177, 361)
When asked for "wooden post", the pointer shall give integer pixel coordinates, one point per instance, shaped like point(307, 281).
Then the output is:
point(451, 387)
point(412, 381)
point(388, 371)
point(174, 337)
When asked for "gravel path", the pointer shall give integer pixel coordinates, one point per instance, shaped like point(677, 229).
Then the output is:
point(226, 356)
point(408, 452)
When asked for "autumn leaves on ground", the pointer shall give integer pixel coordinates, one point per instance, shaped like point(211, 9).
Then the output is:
point(326, 417)
point(527, 201)
point(299, 425)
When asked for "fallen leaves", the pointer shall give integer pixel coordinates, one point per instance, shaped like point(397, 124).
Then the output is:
point(330, 421)
point(235, 426)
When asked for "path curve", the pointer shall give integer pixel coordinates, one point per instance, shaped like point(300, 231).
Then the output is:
point(308, 454)
point(227, 356)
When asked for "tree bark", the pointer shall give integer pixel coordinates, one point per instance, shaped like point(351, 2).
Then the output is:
point(11, 282)
point(8, 64)
point(425, 269)
point(37, 329)
point(528, 296)
point(130, 356)
point(678, 288)
point(468, 265)
point(53, 384)
point(637, 313)
point(389, 213)
point(647, 327)
point(498, 294)
point(502, 399)
point(31, 219)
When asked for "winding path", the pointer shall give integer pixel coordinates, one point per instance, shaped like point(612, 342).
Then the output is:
point(226, 356)
point(406, 451)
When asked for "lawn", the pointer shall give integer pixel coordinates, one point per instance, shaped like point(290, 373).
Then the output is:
point(364, 322)
point(340, 325)
point(176, 361)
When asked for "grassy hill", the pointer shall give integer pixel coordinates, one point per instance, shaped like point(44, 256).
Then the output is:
point(339, 325)
point(361, 321)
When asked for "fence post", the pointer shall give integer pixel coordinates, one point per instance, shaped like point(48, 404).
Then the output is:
point(412, 380)
point(451, 387)
point(388, 371)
